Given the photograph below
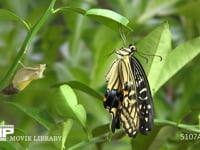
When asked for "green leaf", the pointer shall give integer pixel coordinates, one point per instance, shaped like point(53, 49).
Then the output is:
point(109, 18)
point(75, 9)
point(19, 132)
point(155, 7)
point(2, 122)
point(101, 130)
point(39, 115)
point(61, 129)
point(8, 15)
point(158, 42)
point(138, 142)
point(177, 59)
point(162, 136)
point(83, 87)
point(67, 106)
point(190, 10)
point(102, 49)
point(6, 146)
point(66, 128)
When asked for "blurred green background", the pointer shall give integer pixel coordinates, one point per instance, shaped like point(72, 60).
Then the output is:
point(74, 47)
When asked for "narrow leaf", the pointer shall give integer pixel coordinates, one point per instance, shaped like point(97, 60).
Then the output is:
point(177, 59)
point(7, 146)
point(75, 9)
point(101, 130)
point(190, 10)
point(8, 15)
point(19, 132)
point(155, 7)
point(157, 44)
point(83, 87)
point(109, 18)
point(138, 142)
point(66, 128)
point(61, 129)
point(39, 115)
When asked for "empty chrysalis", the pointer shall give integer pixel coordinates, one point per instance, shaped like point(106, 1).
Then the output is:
point(23, 78)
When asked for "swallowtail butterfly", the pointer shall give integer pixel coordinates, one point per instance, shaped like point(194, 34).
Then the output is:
point(128, 96)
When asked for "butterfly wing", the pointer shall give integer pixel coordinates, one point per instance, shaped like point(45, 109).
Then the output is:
point(137, 112)
point(129, 114)
point(113, 95)
point(144, 98)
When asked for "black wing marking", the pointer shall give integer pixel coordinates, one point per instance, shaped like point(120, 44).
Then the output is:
point(144, 98)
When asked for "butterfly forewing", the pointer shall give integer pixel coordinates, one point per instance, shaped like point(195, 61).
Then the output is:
point(144, 98)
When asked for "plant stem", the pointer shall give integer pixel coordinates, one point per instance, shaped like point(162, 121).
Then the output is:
point(26, 44)
point(193, 128)
point(92, 141)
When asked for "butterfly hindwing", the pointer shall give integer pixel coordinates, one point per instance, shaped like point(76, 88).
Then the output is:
point(112, 103)
point(129, 115)
point(113, 96)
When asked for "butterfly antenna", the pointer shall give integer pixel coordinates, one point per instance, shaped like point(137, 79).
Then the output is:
point(142, 55)
point(146, 59)
point(109, 54)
